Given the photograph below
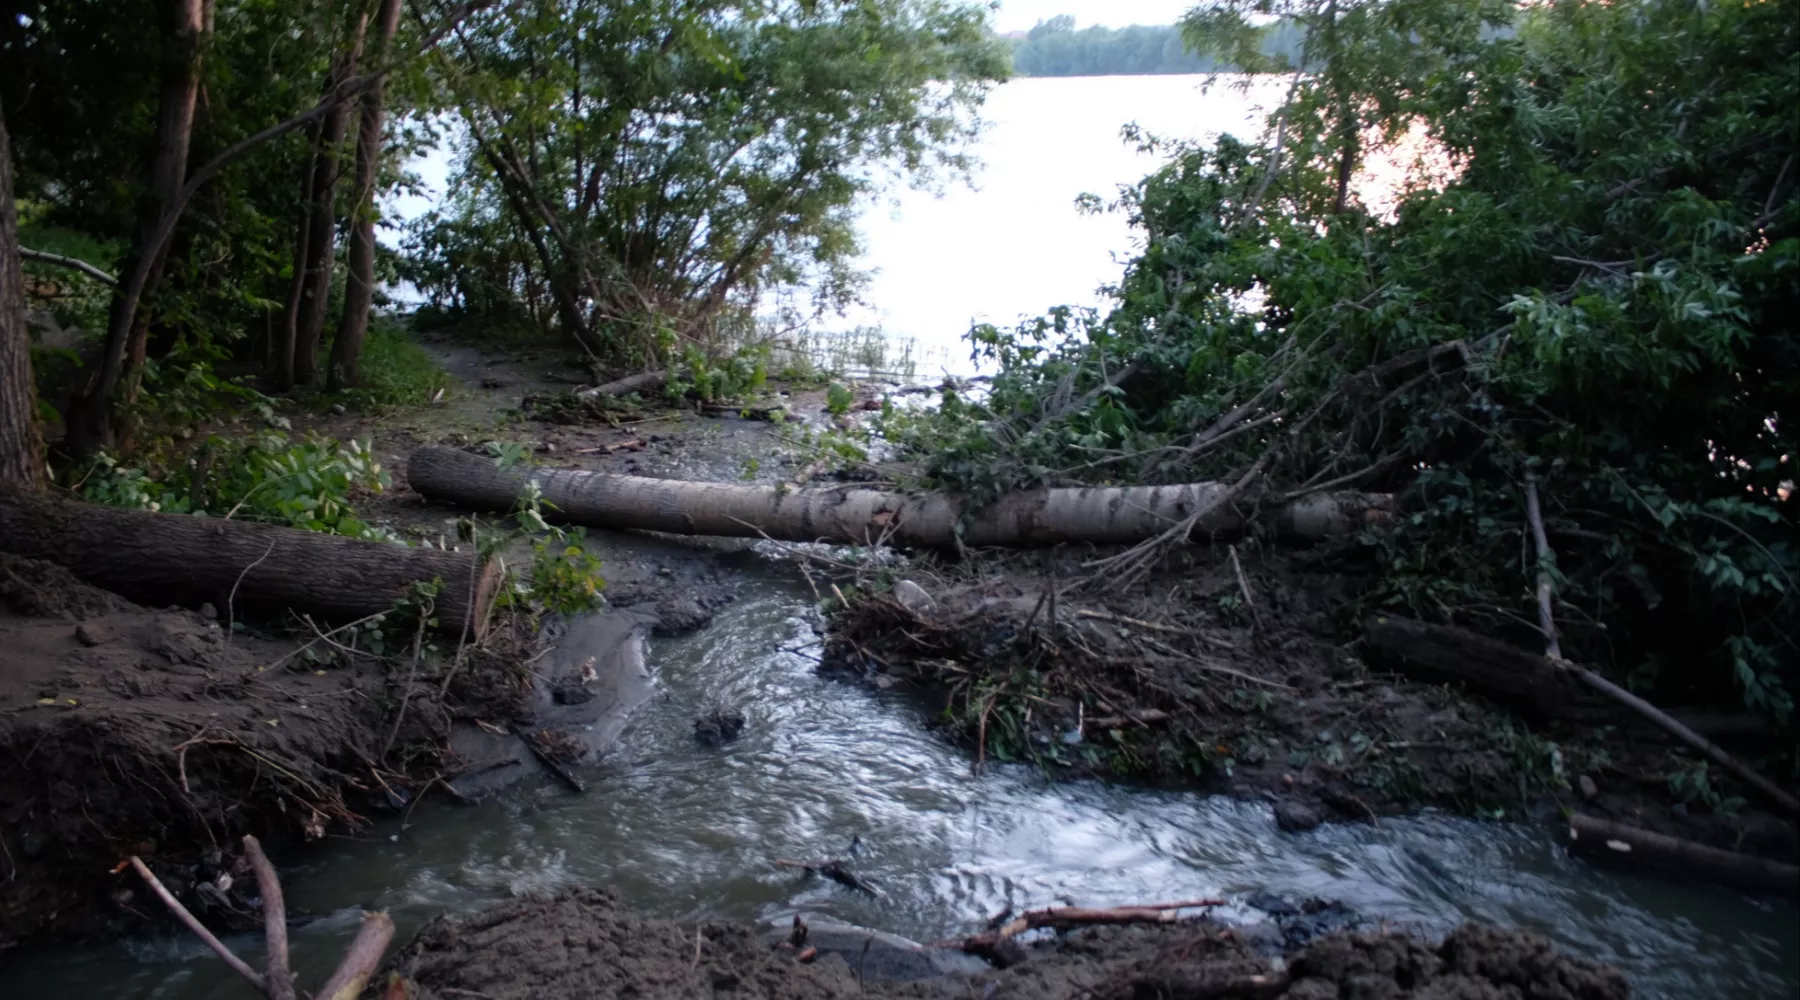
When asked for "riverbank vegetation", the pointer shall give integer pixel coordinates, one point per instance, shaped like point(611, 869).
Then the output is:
point(1583, 298)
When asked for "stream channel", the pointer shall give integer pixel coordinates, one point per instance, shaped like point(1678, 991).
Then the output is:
point(690, 832)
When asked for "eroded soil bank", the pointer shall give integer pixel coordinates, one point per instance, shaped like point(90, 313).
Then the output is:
point(127, 730)
point(582, 944)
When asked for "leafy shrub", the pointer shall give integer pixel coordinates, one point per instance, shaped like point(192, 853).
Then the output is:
point(267, 477)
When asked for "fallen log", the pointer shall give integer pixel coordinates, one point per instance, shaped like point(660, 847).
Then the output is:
point(1512, 677)
point(1100, 515)
point(639, 383)
point(1542, 688)
point(180, 559)
point(1600, 838)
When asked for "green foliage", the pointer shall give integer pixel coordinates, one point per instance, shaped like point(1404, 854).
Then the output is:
point(267, 477)
point(1606, 278)
point(565, 577)
point(395, 371)
point(739, 374)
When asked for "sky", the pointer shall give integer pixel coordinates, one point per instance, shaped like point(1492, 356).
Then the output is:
point(1020, 15)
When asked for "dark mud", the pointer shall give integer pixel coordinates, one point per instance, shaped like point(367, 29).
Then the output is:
point(582, 944)
point(130, 730)
point(1186, 681)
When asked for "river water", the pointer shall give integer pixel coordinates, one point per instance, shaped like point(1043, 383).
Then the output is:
point(689, 832)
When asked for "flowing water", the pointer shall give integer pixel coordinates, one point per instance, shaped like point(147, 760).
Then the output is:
point(689, 832)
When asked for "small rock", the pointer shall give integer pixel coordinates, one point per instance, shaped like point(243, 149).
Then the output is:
point(338, 409)
point(1588, 789)
point(719, 726)
point(678, 614)
point(90, 635)
point(914, 598)
point(209, 612)
point(1295, 816)
point(493, 383)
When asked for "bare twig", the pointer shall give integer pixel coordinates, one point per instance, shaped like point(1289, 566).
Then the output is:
point(412, 673)
point(279, 977)
point(193, 924)
point(231, 598)
point(1244, 588)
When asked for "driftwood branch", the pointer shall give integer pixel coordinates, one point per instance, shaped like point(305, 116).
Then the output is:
point(193, 924)
point(360, 960)
point(1598, 837)
point(71, 263)
point(835, 870)
point(279, 978)
point(352, 974)
point(641, 382)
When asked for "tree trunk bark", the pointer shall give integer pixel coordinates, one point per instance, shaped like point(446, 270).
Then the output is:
point(1101, 515)
point(359, 289)
point(21, 446)
point(1600, 838)
point(163, 559)
point(93, 420)
point(321, 244)
point(1519, 680)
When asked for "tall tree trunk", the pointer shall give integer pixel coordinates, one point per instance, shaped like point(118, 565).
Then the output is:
point(21, 447)
point(280, 360)
point(93, 420)
point(321, 244)
point(359, 287)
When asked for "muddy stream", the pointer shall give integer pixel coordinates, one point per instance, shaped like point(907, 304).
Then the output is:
point(687, 831)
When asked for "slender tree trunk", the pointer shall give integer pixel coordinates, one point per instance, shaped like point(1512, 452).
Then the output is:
point(1346, 159)
point(321, 242)
point(21, 447)
point(281, 346)
point(93, 420)
point(359, 289)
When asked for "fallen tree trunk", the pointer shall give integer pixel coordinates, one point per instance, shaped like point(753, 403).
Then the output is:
point(1540, 687)
point(1598, 837)
point(163, 559)
point(1100, 515)
point(1515, 678)
point(641, 382)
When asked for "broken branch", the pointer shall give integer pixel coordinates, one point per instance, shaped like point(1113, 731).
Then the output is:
point(278, 976)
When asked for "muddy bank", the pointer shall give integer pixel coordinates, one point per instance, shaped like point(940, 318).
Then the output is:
point(130, 730)
point(582, 943)
point(1247, 679)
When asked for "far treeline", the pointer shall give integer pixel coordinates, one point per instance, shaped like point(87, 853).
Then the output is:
point(1057, 48)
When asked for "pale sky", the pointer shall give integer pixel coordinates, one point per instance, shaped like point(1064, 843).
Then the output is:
point(1020, 15)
